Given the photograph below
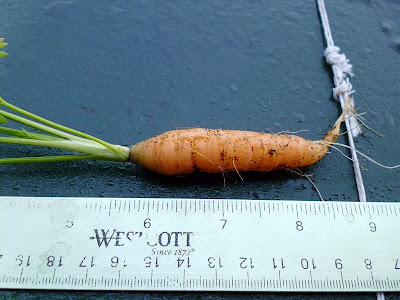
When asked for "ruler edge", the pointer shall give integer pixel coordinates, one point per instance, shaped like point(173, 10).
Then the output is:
point(27, 199)
point(356, 202)
point(174, 290)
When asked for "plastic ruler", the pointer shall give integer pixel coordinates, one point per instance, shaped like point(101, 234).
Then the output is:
point(198, 244)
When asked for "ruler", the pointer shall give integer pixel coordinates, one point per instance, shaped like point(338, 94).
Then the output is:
point(198, 244)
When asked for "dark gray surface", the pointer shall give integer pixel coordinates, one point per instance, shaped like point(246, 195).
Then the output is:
point(128, 70)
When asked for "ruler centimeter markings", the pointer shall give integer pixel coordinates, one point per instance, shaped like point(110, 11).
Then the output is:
point(198, 244)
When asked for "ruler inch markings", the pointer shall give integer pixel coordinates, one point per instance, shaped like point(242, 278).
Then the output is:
point(175, 227)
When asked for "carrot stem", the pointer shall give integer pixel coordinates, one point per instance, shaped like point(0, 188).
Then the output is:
point(19, 160)
point(58, 126)
point(57, 136)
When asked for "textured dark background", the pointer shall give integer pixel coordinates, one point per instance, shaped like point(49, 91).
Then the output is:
point(128, 70)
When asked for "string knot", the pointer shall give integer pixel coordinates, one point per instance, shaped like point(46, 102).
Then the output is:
point(338, 60)
point(341, 70)
point(343, 89)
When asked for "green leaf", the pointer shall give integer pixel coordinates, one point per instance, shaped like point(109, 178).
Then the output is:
point(3, 119)
point(2, 45)
point(46, 159)
point(2, 54)
point(23, 134)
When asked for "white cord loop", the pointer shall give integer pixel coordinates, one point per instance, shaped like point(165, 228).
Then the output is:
point(342, 92)
point(342, 70)
point(333, 57)
point(343, 89)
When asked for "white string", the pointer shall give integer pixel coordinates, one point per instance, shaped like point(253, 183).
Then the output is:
point(344, 90)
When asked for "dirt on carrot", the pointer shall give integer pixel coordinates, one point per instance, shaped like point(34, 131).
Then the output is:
point(185, 151)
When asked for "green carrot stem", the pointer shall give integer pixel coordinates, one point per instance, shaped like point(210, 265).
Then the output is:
point(60, 144)
point(36, 125)
point(58, 133)
point(58, 126)
point(40, 159)
point(92, 149)
point(27, 134)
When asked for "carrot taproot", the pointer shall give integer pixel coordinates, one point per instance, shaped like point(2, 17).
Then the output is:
point(177, 152)
point(185, 151)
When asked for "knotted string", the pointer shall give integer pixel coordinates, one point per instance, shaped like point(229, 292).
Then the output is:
point(342, 92)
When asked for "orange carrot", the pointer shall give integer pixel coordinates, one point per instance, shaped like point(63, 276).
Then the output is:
point(185, 151)
point(175, 152)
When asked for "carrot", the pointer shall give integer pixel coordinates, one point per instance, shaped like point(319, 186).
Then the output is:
point(175, 152)
point(185, 151)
